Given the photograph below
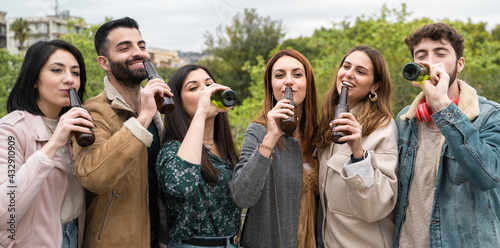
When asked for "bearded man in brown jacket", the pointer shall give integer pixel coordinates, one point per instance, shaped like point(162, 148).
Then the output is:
point(115, 167)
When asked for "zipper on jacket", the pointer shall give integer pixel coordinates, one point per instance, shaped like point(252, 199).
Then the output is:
point(113, 195)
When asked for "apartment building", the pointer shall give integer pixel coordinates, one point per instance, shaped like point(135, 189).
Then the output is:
point(44, 28)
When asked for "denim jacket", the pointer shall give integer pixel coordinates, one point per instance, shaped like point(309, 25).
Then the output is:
point(466, 205)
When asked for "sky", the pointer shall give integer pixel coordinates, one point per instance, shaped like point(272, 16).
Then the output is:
point(181, 25)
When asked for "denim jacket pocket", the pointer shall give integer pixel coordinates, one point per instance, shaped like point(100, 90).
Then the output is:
point(452, 169)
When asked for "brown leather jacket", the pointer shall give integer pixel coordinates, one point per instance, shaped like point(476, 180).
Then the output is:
point(114, 168)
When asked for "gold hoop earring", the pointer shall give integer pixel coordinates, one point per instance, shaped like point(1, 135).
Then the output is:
point(373, 96)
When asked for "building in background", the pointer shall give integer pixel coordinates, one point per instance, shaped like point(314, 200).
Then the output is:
point(163, 58)
point(44, 28)
point(3, 30)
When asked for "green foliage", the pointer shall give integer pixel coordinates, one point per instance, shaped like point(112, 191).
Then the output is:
point(165, 73)
point(10, 65)
point(241, 116)
point(85, 43)
point(385, 32)
point(232, 46)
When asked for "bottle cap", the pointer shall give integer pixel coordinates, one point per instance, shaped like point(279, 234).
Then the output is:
point(228, 98)
point(411, 71)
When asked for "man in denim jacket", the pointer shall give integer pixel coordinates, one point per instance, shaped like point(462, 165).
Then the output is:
point(449, 189)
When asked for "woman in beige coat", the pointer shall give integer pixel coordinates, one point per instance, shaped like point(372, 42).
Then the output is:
point(357, 179)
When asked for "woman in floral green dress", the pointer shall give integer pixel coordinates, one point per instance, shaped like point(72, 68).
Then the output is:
point(195, 164)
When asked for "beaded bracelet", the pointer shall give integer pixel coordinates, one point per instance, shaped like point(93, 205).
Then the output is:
point(266, 147)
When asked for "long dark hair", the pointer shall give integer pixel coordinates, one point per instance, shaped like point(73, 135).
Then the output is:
point(177, 124)
point(24, 95)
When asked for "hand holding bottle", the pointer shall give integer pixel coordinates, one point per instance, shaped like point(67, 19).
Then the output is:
point(164, 103)
point(289, 124)
point(436, 88)
point(351, 130)
point(83, 139)
point(75, 120)
point(208, 95)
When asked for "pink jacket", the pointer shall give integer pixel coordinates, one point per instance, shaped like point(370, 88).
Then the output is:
point(32, 190)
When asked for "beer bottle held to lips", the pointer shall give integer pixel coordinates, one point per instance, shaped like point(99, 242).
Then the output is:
point(342, 107)
point(415, 72)
point(290, 124)
point(224, 98)
point(164, 104)
point(82, 139)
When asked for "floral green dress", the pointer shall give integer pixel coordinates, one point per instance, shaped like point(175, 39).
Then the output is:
point(194, 207)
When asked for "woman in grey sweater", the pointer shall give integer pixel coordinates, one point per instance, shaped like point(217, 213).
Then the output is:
point(277, 168)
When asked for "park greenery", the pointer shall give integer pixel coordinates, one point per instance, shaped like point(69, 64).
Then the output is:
point(238, 52)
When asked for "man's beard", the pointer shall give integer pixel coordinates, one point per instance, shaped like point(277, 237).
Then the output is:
point(127, 77)
point(453, 75)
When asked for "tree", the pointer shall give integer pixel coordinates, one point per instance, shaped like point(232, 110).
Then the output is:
point(10, 66)
point(84, 41)
point(385, 32)
point(248, 37)
point(495, 33)
point(21, 30)
point(243, 114)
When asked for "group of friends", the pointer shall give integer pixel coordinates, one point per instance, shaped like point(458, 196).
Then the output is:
point(177, 180)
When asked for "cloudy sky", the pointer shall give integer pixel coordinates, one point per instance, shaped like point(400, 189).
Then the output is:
point(181, 24)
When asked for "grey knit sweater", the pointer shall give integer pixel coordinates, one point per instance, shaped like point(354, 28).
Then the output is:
point(252, 187)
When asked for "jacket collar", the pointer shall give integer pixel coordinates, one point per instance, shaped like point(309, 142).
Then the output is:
point(41, 131)
point(118, 102)
point(468, 102)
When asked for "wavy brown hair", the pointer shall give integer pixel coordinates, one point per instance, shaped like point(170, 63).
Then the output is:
point(308, 123)
point(437, 32)
point(370, 115)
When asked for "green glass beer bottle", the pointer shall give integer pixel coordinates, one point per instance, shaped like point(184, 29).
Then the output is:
point(415, 72)
point(224, 98)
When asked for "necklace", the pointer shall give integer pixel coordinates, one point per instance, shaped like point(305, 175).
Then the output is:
point(50, 129)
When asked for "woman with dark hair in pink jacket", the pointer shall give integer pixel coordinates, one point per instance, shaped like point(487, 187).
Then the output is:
point(42, 204)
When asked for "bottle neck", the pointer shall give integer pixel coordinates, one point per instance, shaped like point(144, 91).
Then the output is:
point(288, 93)
point(344, 92)
point(150, 69)
point(74, 99)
